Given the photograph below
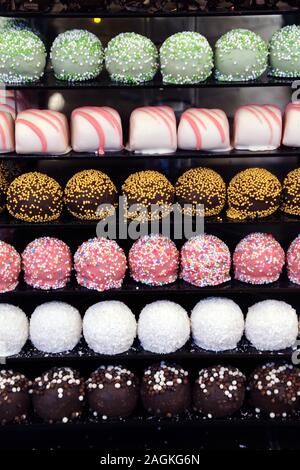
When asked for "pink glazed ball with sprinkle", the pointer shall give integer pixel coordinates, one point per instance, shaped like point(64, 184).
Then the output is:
point(293, 261)
point(10, 267)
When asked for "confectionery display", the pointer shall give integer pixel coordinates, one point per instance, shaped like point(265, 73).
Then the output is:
point(273, 390)
point(293, 261)
point(58, 395)
point(7, 141)
point(10, 267)
point(14, 396)
point(22, 56)
point(271, 325)
point(204, 129)
point(90, 195)
point(152, 130)
point(149, 195)
point(47, 263)
point(131, 58)
point(253, 193)
point(13, 102)
point(292, 124)
point(165, 390)
point(217, 324)
point(257, 128)
point(258, 259)
point(284, 52)
point(214, 268)
point(34, 197)
point(163, 327)
point(240, 55)
point(219, 391)
point(153, 260)
point(112, 392)
point(76, 55)
point(186, 58)
point(200, 191)
point(290, 196)
point(100, 264)
point(96, 130)
point(13, 329)
point(55, 327)
point(42, 131)
point(109, 327)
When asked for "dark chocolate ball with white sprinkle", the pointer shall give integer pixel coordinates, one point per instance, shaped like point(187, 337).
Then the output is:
point(274, 389)
point(58, 395)
point(219, 391)
point(112, 392)
point(15, 399)
point(165, 390)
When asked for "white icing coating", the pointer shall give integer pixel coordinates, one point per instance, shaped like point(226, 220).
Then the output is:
point(13, 330)
point(7, 140)
point(291, 134)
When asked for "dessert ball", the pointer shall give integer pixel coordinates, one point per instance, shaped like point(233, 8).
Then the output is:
point(252, 193)
point(290, 196)
point(293, 261)
point(165, 390)
point(149, 195)
point(112, 392)
point(185, 58)
point(163, 327)
point(55, 327)
point(219, 391)
point(217, 324)
point(205, 261)
point(90, 195)
point(240, 55)
point(258, 259)
point(153, 260)
point(22, 56)
point(76, 55)
point(131, 58)
point(109, 327)
point(271, 325)
point(58, 395)
point(47, 263)
point(10, 267)
point(100, 264)
point(35, 197)
point(273, 389)
point(201, 186)
point(13, 330)
point(285, 52)
point(14, 397)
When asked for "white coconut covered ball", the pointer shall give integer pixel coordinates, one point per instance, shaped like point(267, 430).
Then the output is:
point(217, 324)
point(271, 325)
point(13, 329)
point(55, 327)
point(109, 327)
point(163, 327)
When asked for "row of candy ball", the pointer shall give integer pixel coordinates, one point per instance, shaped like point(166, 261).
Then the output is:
point(165, 390)
point(109, 327)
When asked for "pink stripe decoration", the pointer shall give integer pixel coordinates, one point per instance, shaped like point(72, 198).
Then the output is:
point(274, 115)
point(260, 111)
point(35, 129)
point(201, 123)
point(195, 129)
point(2, 135)
point(61, 122)
point(156, 113)
point(41, 116)
point(216, 123)
point(96, 125)
point(8, 124)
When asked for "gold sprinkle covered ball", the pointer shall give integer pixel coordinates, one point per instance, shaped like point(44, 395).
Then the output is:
point(3, 190)
point(290, 196)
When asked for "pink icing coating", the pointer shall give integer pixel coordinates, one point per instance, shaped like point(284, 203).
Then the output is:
point(10, 267)
point(293, 261)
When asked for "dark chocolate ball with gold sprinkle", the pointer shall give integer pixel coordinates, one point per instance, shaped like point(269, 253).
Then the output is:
point(90, 195)
point(201, 186)
point(145, 189)
point(253, 193)
point(35, 197)
point(290, 196)
point(3, 191)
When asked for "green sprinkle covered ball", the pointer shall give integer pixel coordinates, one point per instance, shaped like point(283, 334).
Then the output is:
point(186, 58)
point(131, 58)
point(240, 55)
point(22, 56)
point(285, 52)
point(76, 55)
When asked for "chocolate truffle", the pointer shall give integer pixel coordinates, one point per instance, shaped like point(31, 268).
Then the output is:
point(201, 186)
point(10, 267)
point(219, 391)
point(290, 196)
point(35, 197)
point(14, 328)
point(14, 396)
point(58, 395)
point(90, 195)
point(144, 189)
point(285, 52)
point(274, 389)
point(293, 261)
point(112, 392)
point(165, 390)
point(252, 193)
